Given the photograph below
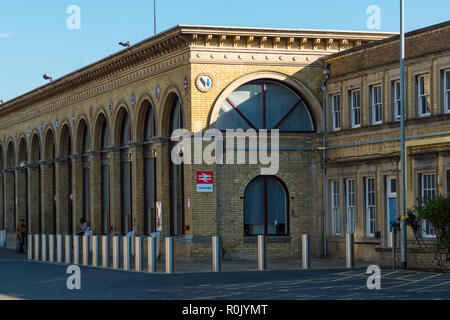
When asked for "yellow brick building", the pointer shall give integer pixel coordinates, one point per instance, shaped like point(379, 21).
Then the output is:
point(96, 143)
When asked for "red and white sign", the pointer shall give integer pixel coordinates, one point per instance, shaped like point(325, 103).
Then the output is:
point(204, 181)
point(186, 84)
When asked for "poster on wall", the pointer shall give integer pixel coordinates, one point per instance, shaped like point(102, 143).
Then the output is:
point(159, 217)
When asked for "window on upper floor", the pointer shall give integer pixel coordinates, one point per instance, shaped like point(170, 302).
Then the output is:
point(423, 90)
point(447, 91)
point(396, 100)
point(355, 106)
point(377, 106)
point(336, 111)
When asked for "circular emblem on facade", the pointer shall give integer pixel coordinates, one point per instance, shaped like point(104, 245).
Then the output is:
point(132, 100)
point(204, 83)
point(90, 112)
point(28, 132)
point(42, 127)
point(71, 196)
point(110, 107)
point(73, 117)
point(186, 84)
point(56, 123)
point(157, 92)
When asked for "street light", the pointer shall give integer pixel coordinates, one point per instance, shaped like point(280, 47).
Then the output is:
point(47, 77)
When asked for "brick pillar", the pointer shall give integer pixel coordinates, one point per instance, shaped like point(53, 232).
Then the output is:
point(9, 200)
point(2, 207)
point(114, 157)
point(33, 198)
point(163, 183)
point(62, 194)
point(77, 191)
point(95, 177)
point(47, 194)
point(21, 196)
point(137, 187)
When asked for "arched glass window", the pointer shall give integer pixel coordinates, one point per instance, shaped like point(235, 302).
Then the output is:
point(86, 183)
point(125, 170)
point(265, 104)
point(149, 173)
point(176, 176)
point(265, 207)
point(105, 177)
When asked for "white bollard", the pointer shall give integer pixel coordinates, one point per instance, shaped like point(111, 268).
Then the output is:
point(169, 255)
point(94, 244)
point(216, 254)
point(306, 259)
point(36, 247)
point(105, 251)
point(126, 253)
point(349, 250)
point(76, 250)
point(261, 252)
point(138, 253)
point(59, 248)
point(68, 249)
point(44, 248)
point(151, 254)
point(51, 248)
point(86, 251)
point(30, 247)
point(116, 253)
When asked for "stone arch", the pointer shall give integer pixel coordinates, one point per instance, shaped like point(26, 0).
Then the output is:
point(10, 154)
point(49, 144)
point(81, 127)
point(119, 114)
point(168, 98)
point(144, 105)
point(22, 151)
point(101, 119)
point(310, 99)
point(65, 140)
point(35, 148)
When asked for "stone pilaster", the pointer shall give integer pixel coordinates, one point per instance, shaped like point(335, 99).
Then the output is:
point(77, 191)
point(62, 195)
point(9, 178)
point(47, 196)
point(34, 210)
point(137, 187)
point(21, 195)
point(95, 177)
point(114, 157)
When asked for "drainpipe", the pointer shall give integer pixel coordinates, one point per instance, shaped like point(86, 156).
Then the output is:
point(326, 72)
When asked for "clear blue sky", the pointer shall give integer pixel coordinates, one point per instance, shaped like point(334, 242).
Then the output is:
point(34, 38)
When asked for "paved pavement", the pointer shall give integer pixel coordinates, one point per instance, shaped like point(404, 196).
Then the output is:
point(21, 279)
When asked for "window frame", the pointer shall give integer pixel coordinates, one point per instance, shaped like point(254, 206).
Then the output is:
point(369, 219)
point(396, 100)
point(354, 108)
point(334, 205)
point(446, 91)
point(423, 96)
point(378, 104)
point(351, 216)
point(423, 190)
point(336, 112)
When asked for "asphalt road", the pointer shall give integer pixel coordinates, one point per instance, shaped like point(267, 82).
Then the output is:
point(37, 280)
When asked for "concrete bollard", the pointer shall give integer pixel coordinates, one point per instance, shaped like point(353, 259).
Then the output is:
point(68, 249)
point(51, 248)
point(138, 253)
point(126, 253)
point(306, 258)
point(116, 253)
point(36, 247)
point(94, 244)
point(151, 248)
point(59, 248)
point(216, 254)
point(349, 250)
point(169, 255)
point(30, 247)
point(86, 251)
point(76, 250)
point(105, 251)
point(261, 252)
point(44, 248)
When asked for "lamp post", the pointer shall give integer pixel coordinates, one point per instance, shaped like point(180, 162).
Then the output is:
point(402, 125)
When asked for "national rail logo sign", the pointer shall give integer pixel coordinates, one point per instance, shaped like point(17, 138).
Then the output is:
point(204, 181)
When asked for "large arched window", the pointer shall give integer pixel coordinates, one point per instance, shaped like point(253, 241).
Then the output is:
point(265, 104)
point(266, 207)
point(125, 174)
point(176, 175)
point(149, 173)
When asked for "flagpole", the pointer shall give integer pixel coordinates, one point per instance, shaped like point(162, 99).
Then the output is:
point(402, 104)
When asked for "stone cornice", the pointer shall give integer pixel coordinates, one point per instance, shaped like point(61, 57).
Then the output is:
point(177, 39)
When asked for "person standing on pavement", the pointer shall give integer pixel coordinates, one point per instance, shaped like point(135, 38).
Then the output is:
point(21, 234)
